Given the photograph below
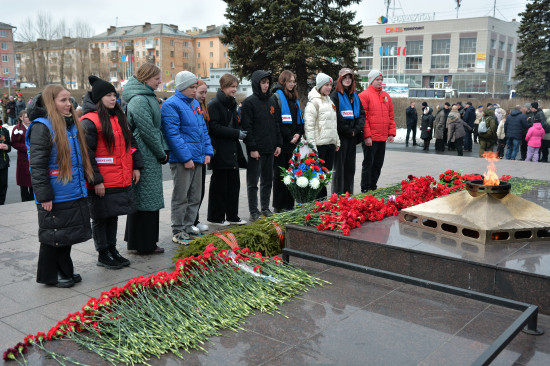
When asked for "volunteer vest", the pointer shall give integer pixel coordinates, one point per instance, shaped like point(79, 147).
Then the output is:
point(116, 166)
point(285, 110)
point(75, 188)
point(346, 109)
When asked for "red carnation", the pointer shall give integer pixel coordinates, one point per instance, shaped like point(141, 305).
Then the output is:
point(307, 217)
point(447, 177)
point(299, 173)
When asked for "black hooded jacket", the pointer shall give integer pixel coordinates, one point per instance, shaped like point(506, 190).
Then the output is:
point(259, 117)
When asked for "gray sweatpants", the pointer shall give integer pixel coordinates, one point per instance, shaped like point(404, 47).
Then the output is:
point(186, 196)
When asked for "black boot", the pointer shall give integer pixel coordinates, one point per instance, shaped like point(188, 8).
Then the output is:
point(106, 259)
point(125, 262)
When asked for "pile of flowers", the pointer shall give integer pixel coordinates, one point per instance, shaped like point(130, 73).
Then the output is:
point(306, 174)
point(170, 312)
point(344, 212)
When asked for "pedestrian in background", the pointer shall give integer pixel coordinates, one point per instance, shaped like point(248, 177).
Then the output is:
point(379, 128)
point(501, 135)
point(479, 116)
point(412, 121)
point(116, 163)
point(426, 127)
point(5, 148)
point(487, 131)
point(22, 173)
point(457, 131)
point(59, 164)
point(440, 124)
point(291, 126)
point(516, 124)
point(10, 110)
point(534, 139)
point(350, 119)
point(143, 113)
point(20, 105)
point(468, 116)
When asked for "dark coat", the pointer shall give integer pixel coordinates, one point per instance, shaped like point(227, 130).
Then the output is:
point(10, 108)
point(68, 222)
point(117, 200)
point(412, 116)
point(348, 128)
point(288, 130)
point(224, 133)
point(516, 125)
point(19, 106)
point(22, 174)
point(5, 139)
point(427, 125)
point(259, 117)
point(469, 116)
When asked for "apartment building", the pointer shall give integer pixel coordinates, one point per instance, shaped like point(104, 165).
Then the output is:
point(471, 55)
point(7, 56)
point(211, 53)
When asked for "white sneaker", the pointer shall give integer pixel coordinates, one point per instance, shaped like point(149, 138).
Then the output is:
point(223, 223)
point(193, 230)
point(202, 227)
point(240, 222)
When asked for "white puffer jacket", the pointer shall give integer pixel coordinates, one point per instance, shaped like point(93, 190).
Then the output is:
point(320, 120)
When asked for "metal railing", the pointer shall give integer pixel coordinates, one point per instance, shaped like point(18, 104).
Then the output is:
point(527, 321)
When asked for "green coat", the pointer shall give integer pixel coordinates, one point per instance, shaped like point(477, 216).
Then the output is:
point(143, 112)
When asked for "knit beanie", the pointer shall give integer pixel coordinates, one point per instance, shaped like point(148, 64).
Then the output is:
point(100, 88)
point(535, 105)
point(447, 104)
point(479, 106)
point(424, 104)
point(321, 80)
point(373, 75)
point(184, 79)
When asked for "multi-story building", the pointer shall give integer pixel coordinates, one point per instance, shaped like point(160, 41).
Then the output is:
point(61, 61)
point(7, 56)
point(475, 56)
point(117, 53)
point(211, 52)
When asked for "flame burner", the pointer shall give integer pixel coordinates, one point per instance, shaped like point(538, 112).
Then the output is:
point(483, 214)
point(476, 188)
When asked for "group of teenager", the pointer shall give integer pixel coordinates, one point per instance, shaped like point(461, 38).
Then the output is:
point(87, 171)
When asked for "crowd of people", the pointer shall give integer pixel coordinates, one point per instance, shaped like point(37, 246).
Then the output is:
point(523, 129)
point(86, 165)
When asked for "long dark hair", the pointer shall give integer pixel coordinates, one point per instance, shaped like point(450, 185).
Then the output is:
point(104, 118)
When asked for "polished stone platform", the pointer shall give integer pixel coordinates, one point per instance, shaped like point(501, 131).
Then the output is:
point(518, 271)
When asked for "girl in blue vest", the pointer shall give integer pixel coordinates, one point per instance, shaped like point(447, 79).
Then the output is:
point(292, 129)
point(116, 164)
point(350, 119)
point(59, 165)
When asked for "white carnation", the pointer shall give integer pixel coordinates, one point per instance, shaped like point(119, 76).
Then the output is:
point(314, 183)
point(287, 180)
point(302, 182)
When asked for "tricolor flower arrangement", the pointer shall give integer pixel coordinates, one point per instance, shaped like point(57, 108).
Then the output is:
point(306, 175)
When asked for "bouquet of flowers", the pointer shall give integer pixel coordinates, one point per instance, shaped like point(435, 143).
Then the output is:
point(306, 174)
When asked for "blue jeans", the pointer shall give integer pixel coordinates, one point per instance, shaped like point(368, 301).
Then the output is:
point(513, 148)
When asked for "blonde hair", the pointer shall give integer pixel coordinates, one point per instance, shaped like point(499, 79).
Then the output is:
point(60, 138)
point(146, 72)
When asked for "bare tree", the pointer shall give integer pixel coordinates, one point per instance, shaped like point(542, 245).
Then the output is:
point(82, 32)
point(45, 31)
point(62, 31)
point(27, 34)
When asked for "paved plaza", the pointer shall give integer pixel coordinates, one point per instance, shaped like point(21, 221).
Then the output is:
point(358, 320)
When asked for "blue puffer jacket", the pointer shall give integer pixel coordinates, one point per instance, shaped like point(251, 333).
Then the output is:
point(184, 129)
point(74, 188)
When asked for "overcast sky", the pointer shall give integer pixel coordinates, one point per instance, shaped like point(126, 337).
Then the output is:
point(101, 14)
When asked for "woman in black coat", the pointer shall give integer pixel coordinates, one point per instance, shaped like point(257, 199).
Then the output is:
point(426, 127)
point(291, 125)
point(59, 183)
point(225, 133)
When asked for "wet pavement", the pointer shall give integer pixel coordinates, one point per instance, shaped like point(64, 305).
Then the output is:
point(358, 320)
